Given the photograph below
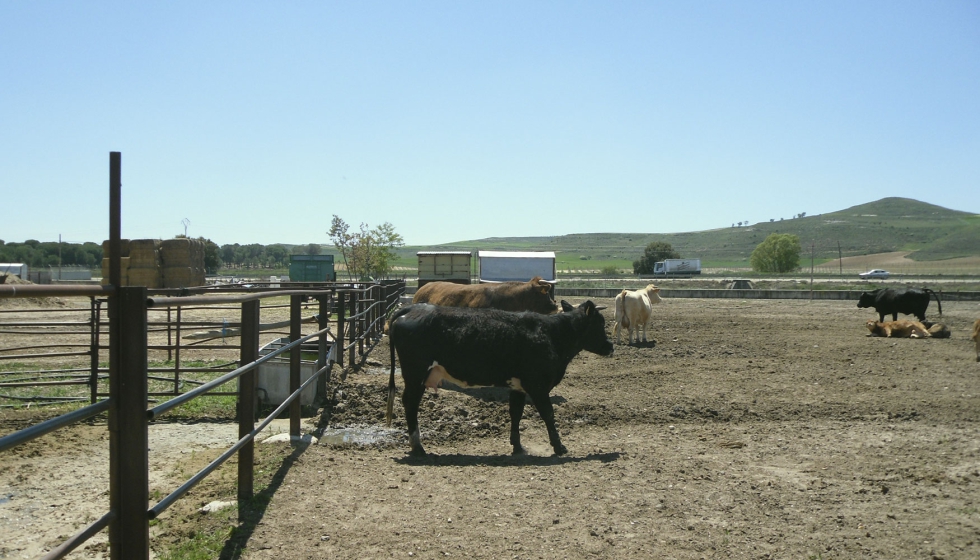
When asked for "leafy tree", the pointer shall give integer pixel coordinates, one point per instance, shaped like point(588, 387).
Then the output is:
point(313, 249)
point(278, 254)
point(212, 256)
point(779, 252)
point(654, 252)
point(368, 252)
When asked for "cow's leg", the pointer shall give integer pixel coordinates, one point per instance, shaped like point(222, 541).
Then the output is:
point(617, 330)
point(542, 402)
point(516, 412)
point(411, 399)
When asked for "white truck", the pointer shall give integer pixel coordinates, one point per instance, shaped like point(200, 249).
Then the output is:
point(677, 266)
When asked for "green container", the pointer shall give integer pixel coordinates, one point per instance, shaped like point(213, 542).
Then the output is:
point(311, 268)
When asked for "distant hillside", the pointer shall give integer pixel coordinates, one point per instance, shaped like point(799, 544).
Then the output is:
point(929, 232)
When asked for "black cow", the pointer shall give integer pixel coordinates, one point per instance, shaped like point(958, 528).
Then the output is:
point(527, 352)
point(891, 301)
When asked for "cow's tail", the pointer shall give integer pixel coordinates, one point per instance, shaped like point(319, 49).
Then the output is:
point(621, 317)
point(938, 301)
point(389, 412)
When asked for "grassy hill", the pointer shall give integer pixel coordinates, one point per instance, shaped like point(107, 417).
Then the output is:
point(929, 232)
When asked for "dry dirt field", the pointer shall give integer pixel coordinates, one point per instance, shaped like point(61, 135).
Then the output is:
point(744, 429)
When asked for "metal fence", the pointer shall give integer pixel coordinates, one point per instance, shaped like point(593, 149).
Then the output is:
point(361, 311)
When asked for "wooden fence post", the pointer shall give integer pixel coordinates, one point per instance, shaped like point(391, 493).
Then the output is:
point(321, 361)
point(295, 333)
point(249, 352)
point(339, 339)
point(353, 327)
point(129, 491)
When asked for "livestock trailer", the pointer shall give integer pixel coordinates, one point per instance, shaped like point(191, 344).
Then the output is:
point(521, 266)
point(445, 266)
point(311, 268)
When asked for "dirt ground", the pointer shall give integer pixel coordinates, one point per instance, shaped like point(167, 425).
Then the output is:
point(744, 429)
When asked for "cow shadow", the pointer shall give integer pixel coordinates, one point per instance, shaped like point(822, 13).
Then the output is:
point(495, 394)
point(465, 460)
point(648, 344)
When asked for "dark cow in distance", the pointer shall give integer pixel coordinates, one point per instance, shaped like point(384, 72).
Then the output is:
point(533, 295)
point(891, 301)
point(525, 352)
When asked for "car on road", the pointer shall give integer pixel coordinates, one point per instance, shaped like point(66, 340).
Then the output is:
point(875, 273)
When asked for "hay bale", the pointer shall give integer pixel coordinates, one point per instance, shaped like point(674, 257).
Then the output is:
point(180, 277)
point(123, 248)
point(181, 253)
point(145, 276)
point(144, 253)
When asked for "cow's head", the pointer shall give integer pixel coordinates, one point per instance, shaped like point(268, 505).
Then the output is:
point(653, 293)
point(867, 299)
point(591, 327)
point(540, 300)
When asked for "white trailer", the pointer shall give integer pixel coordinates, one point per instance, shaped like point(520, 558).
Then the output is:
point(444, 266)
point(677, 266)
point(521, 266)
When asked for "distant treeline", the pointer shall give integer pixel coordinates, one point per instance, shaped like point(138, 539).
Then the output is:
point(36, 254)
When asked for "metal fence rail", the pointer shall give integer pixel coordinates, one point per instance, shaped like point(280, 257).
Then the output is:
point(128, 375)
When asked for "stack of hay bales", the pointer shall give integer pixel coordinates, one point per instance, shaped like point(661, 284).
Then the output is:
point(173, 263)
point(123, 262)
point(144, 263)
point(183, 263)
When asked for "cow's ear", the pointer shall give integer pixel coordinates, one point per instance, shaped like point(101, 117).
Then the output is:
point(566, 307)
point(589, 307)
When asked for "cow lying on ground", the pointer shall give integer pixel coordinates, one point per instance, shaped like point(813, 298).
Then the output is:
point(976, 336)
point(891, 301)
point(533, 295)
point(936, 330)
point(634, 310)
point(898, 329)
point(526, 352)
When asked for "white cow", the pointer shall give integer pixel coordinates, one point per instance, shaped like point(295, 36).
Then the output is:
point(634, 310)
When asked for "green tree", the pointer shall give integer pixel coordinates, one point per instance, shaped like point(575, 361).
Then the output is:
point(313, 249)
point(278, 253)
point(654, 252)
point(368, 252)
point(382, 252)
point(212, 256)
point(779, 252)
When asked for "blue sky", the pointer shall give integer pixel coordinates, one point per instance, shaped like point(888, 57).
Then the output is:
point(258, 121)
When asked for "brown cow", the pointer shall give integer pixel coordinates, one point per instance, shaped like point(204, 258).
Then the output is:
point(898, 329)
point(937, 330)
point(976, 336)
point(533, 295)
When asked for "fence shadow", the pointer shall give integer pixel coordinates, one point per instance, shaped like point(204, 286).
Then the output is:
point(254, 510)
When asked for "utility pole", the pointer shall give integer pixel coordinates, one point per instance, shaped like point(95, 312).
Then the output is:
point(186, 223)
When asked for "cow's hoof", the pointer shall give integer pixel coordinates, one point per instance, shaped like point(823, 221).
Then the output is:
point(561, 450)
point(417, 452)
point(518, 450)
